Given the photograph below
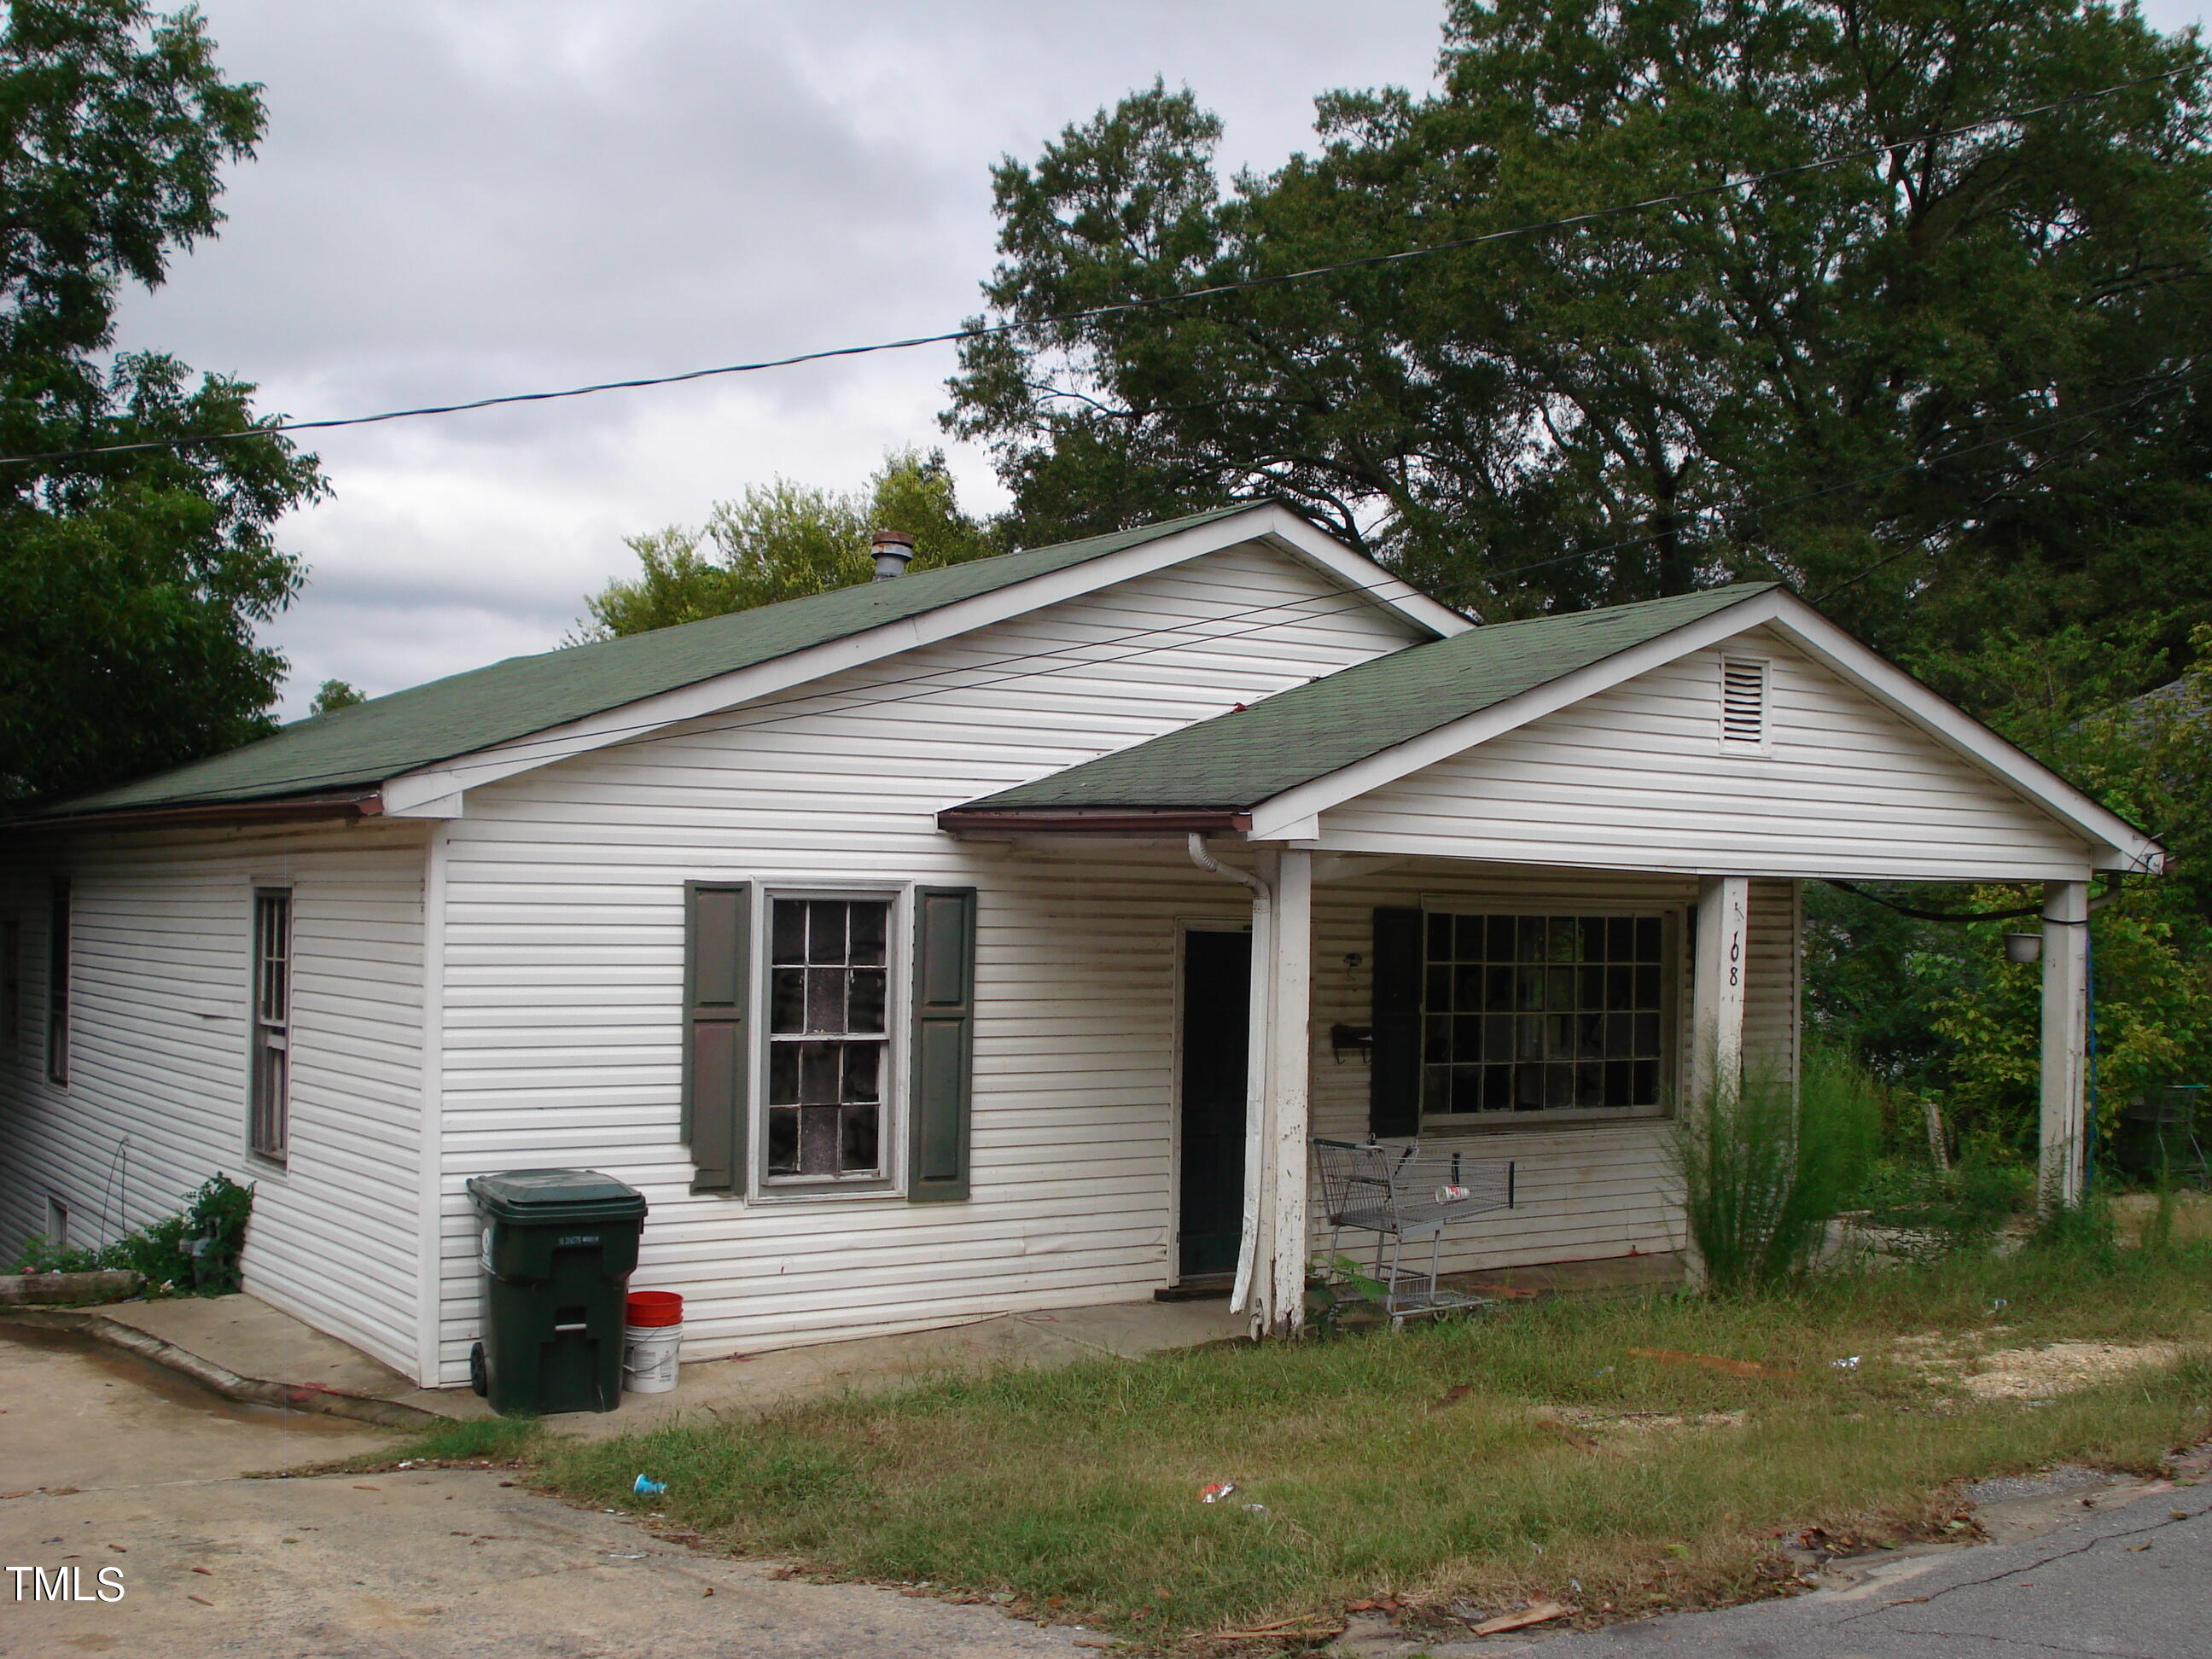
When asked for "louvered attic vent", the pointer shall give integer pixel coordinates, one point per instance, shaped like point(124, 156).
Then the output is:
point(1743, 703)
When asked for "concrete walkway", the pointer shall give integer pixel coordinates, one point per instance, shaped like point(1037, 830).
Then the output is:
point(241, 1346)
point(113, 1464)
point(244, 1337)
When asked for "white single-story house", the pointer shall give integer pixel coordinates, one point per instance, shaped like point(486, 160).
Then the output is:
point(991, 938)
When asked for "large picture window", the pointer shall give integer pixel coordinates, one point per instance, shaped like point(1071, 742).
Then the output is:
point(1542, 1013)
point(828, 1038)
point(272, 1056)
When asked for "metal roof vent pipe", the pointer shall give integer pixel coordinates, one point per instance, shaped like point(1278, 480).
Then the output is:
point(893, 548)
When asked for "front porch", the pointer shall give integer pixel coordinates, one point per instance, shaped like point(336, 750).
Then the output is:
point(1552, 869)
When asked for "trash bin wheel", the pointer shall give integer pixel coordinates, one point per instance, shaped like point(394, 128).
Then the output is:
point(478, 1378)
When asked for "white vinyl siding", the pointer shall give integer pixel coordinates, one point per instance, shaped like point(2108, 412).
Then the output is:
point(563, 954)
point(1635, 778)
point(1585, 1191)
point(158, 1094)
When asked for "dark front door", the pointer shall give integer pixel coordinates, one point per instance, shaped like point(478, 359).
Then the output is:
point(1217, 978)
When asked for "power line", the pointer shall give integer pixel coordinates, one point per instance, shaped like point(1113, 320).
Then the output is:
point(1123, 308)
point(661, 730)
point(759, 712)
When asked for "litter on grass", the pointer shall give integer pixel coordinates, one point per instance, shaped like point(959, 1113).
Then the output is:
point(649, 1488)
point(1216, 1491)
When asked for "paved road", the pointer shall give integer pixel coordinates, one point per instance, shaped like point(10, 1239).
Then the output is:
point(107, 1463)
point(2131, 1581)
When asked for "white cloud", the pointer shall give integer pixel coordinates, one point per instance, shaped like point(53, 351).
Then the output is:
point(459, 200)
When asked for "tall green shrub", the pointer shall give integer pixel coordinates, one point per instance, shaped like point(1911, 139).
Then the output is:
point(1764, 1166)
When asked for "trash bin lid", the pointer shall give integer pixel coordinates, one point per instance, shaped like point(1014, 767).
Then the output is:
point(555, 1195)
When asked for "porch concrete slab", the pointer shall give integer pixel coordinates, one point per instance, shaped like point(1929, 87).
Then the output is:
point(1618, 1275)
point(756, 1382)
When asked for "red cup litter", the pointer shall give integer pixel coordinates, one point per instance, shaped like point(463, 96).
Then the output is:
point(653, 1308)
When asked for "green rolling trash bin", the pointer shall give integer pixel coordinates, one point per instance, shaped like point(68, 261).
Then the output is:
point(558, 1249)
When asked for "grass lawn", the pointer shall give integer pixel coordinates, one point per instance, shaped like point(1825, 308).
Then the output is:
point(1534, 1453)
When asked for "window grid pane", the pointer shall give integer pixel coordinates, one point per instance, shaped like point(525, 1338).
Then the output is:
point(269, 1128)
point(828, 1007)
point(1542, 1013)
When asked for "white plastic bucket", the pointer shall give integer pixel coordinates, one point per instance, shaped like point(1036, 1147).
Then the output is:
point(649, 1357)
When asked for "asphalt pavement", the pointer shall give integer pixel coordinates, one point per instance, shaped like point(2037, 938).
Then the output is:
point(2131, 1578)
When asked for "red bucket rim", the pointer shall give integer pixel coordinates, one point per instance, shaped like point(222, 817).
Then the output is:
point(653, 1308)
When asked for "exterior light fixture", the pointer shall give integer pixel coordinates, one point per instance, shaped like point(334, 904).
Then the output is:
point(2023, 947)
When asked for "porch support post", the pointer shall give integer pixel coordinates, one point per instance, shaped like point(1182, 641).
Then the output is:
point(1281, 1308)
point(1250, 1291)
point(2063, 1142)
point(1717, 985)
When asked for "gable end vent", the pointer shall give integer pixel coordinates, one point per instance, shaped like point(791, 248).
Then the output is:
point(1743, 703)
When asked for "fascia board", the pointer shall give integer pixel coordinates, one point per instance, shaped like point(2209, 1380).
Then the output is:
point(2123, 845)
point(1292, 812)
point(629, 722)
point(2127, 846)
point(1331, 557)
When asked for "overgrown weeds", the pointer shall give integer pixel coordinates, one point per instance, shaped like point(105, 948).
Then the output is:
point(1581, 1451)
point(1766, 1165)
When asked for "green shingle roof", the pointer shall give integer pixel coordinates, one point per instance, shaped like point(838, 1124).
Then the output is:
point(1235, 760)
point(387, 735)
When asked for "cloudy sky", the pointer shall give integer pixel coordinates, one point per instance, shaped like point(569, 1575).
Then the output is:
point(456, 200)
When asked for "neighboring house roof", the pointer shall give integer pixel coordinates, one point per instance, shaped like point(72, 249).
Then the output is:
point(1234, 762)
point(407, 731)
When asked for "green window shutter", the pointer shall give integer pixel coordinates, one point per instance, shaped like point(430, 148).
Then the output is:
point(943, 1042)
point(1393, 1077)
point(717, 1048)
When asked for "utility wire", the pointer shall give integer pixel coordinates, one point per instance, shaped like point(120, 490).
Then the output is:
point(758, 714)
point(1125, 307)
point(665, 730)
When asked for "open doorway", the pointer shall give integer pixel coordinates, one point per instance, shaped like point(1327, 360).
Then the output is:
point(1217, 979)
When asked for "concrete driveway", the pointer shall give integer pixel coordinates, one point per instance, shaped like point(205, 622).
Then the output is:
point(108, 1463)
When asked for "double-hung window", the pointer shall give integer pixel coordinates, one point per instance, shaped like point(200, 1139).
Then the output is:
point(827, 1044)
point(1549, 1014)
point(830, 1063)
point(271, 1061)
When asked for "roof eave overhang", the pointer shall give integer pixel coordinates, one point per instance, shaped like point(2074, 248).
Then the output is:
point(1266, 521)
point(988, 822)
point(350, 806)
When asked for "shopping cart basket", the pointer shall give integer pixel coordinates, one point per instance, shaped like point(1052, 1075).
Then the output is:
point(1403, 1192)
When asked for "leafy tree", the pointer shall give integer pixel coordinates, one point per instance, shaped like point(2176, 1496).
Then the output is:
point(1935, 1005)
point(129, 584)
point(334, 695)
point(783, 540)
point(1956, 379)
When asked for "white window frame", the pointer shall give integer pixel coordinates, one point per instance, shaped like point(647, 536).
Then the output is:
point(892, 1131)
point(1672, 976)
point(1764, 744)
point(260, 1031)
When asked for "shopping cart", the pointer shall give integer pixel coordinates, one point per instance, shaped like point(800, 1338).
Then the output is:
point(1403, 1192)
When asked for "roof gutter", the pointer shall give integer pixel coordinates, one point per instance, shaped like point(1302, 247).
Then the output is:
point(1093, 821)
point(350, 806)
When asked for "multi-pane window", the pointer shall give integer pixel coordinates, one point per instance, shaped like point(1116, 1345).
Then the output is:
point(1542, 1013)
point(58, 983)
point(272, 1059)
point(828, 1037)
